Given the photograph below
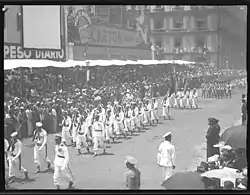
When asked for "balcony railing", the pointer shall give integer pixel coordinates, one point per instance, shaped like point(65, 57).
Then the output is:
point(177, 8)
point(159, 30)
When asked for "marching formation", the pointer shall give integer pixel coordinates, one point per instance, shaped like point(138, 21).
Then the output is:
point(216, 90)
point(93, 128)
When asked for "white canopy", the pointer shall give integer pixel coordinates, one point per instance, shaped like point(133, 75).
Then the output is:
point(11, 64)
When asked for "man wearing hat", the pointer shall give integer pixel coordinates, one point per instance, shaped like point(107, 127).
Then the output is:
point(66, 126)
point(213, 136)
point(40, 149)
point(61, 163)
point(166, 156)
point(14, 151)
point(133, 176)
point(98, 135)
point(244, 109)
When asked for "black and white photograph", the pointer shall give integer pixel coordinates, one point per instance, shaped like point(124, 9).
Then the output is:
point(125, 97)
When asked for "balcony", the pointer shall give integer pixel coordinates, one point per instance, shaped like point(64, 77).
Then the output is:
point(158, 9)
point(159, 30)
point(178, 8)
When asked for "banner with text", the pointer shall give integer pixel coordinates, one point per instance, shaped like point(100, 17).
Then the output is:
point(16, 51)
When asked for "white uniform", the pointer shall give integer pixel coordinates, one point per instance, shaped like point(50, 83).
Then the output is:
point(127, 126)
point(181, 99)
point(82, 134)
point(166, 107)
point(74, 129)
point(166, 158)
point(109, 121)
point(13, 156)
point(66, 125)
point(61, 164)
point(195, 100)
point(98, 135)
point(40, 149)
point(154, 111)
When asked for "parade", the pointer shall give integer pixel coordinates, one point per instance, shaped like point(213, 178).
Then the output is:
point(89, 123)
point(125, 97)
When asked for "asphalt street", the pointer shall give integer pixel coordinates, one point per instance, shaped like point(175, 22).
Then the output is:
point(188, 129)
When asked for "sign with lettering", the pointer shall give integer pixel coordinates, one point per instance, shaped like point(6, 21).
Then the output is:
point(16, 51)
point(83, 31)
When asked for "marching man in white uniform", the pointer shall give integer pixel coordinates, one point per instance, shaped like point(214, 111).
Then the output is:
point(14, 151)
point(195, 99)
point(61, 163)
point(82, 133)
point(166, 107)
point(166, 156)
point(40, 148)
point(66, 125)
point(98, 135)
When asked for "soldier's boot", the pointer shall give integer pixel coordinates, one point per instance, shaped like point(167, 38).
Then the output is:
point(104, 151)
point(95, 154)
point(70, 185)
point(26, 175)
point(79, 152)
point(113, 139)
point(157, 120)
point(57, 187)
point(74, 144)
point(38, 169)
point(169, 117)
point(65, 143)
point(88, 150)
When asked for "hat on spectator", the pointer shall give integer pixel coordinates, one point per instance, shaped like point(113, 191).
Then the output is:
point(57, 136)
point(166, 134)
point(131, 160)
point(227, 147)
point(219, 145)
point(213, 158)
point(39, 124)
point(14, 134)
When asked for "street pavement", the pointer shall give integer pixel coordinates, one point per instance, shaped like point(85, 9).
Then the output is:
point(188, 129)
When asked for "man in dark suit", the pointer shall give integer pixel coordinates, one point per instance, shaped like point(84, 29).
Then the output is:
point(243, 109)
point(212, 137)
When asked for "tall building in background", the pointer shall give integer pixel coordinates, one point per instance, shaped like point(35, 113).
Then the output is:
point(215, 34)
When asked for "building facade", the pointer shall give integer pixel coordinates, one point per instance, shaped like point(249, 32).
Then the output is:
point(101, 32)
point(214, 34)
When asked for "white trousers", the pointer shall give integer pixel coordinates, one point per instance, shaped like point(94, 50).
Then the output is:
point(167, 172)
point(65, 135)
point(13, 166)
point(38, 155)
point(165, 111)
point(74, 134)
point(81, 139)
point(98, 141)
point(59, 173)
point(127, 124)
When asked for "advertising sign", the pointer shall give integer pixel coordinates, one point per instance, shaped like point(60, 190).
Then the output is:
point(83, 31)
point(16, 51)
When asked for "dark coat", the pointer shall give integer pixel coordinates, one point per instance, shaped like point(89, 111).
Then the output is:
point(213, 138)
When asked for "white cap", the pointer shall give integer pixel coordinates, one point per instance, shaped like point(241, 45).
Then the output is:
point(166, 134)
point(131, 160)
point(39, 124)
point(213, 158)
point(14, 134)
point(219, 145)
point(227, 147)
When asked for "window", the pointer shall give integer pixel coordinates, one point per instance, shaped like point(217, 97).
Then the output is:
point(158, 24)
point(178, 23)
point(129, 7)
point(177, 7)
point(177, 42)
point(201, 23)
point(200, 42)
